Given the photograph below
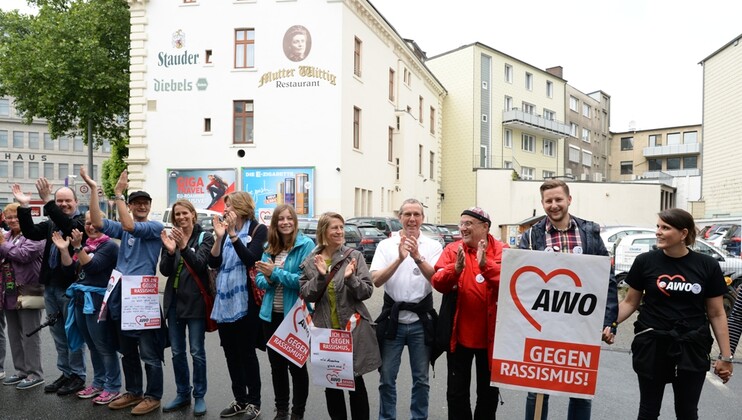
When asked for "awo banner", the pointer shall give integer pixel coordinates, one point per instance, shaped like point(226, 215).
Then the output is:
point(291, 339)
point(549, 322)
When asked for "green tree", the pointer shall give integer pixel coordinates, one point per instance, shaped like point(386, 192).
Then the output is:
point(69, 64)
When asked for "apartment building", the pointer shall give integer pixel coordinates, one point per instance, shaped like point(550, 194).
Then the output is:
point(326, 89)
point(500, 112)
point(722, 90)
point(28, 152)
point(588, 146)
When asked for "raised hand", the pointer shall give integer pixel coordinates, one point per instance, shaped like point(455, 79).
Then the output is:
point(167, 242)
point(76, 238)
point(60, 241)
point(44, 187)
point(179, 237)
point(482, 253)
point(21, 197)
point(122, 184)
point(220, 226)
point(460, 260)
point(88, 180)
point(319, 262)
point(404, 248)
point(265, 267)
point(350, 268)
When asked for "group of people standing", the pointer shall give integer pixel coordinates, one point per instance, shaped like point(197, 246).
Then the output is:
point(69, 260)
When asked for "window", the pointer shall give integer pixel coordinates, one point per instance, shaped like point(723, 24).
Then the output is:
point(357, 57)
point(420, 159)
point(508, 103)
point(390, 145)
point(244, 48)
point(508, 73)
point(573, 103)
point(64, 170)
point(484, 118)
point(549, 89)
point(48, 170)
point(3, 138)
point(407, 77)
point(548, 174)
point(508, 165)
point(432, 163)
point(4, 108)
point(48, 142)
point(243, 122)
point(528, 143)
point(508, 140)
point(18, 139)
point(673, 138)
point(587, 158)
point(586, 110)
point(3, 168)
point(627, 143)
point(673, 164)
point(654, 164)
point(483, 155)
point(526, 173)
point(76, 169)
point(529, 108)
point(33, 141)
point(690, 137)
point(549, 148)
point(655, 140)
point(33, 170)
point(432, 120)
point(208, 54)
point(574, 154)
point(627, 167)
point(529, 81)
point(106, 146)
point(420, 110)
point(356, 128)
point(549, 115)
point(77, 144)
point(207, 125)
point(690, 162)
point(586, 135)
point(391, 84)
point(573, 129)
point(17, 169)
point(64, 144)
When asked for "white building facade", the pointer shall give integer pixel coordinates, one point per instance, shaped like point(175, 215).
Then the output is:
point(319, 104)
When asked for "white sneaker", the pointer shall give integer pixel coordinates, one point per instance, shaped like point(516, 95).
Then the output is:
point(2, 375)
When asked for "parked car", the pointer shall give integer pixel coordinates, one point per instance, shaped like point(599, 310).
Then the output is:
point(370, 238)
point(731, 241)
point(309, 228)
point(353, 237)
point(203, 217)
point(447, 235)
point(454, 229)
point(719, 228)
point(384, 224)
point(611, 234)
point(717, 237)
point(432, 232)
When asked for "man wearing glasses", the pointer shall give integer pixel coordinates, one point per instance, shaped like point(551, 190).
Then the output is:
point(403, 264)
point(470, 269)
point(562, 232)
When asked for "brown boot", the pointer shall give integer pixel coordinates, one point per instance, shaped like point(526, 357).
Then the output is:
point(126, 400)
point(147, 405)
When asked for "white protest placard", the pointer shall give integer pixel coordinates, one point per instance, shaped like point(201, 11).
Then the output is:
point(140, 303)
point(331, 363)
point(112, 281)
point(291, 339)
point(549, 322)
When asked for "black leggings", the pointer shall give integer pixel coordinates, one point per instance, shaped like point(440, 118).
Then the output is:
point(686, 388)
point(359, 409)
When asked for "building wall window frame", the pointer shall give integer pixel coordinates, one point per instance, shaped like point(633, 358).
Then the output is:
point(690, 162)
point(585, 135)
point(33, 170)
point(64, 144)
point(587, 158)
point(673, 139)
point(690, 137)
point(586, 110)
point(356, 128)
point(627, 167)
point(3, 138)
point(655, 140)
point(654, 164)
point(33, 140)
point(4, 169)
point(508, 73)
point(673, 164)
point(431, 164)
point(390, 145)
point(49, 170)
point(627, 143)
point(574, 154)
point(573, 129)
point(526, 173)
point(549, 89)
point(19, 139)
point(420, 159)
point(549, 148)
point(574, 104)
point(528, 143)
point(357, 50)
point(63, 169)
point(432, 120)
point(529, 108)
point(508, 103)
point(49, 142)
point(243, 121)
point(77, 144)
point(529, 81)
point(549, 115)
point(420, 110)
point(391, 84)
point(4, 107)
point(244, 48)
point(508, 139)
point(18, 169)
point(548, 174)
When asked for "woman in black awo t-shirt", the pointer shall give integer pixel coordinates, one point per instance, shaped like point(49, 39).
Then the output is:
point(680, 292)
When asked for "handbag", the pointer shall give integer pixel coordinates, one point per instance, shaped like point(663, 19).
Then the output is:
point(211, 325)
point(30, 302)
point(257, 293)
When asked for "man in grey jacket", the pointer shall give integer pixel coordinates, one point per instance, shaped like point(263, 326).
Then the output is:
point(562, 232)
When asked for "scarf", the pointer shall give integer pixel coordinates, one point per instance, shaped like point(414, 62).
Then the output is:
point(92, 244)
point(230, 303)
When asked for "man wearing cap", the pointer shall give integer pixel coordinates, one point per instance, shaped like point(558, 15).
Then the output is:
point(470, 268)
point(403, 264)
point(138, 254)
point(61, 207)
point(562, 232)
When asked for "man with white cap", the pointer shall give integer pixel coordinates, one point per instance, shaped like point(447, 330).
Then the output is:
point(470, 268)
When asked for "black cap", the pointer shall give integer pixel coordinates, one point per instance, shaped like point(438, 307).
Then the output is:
point(139, 194)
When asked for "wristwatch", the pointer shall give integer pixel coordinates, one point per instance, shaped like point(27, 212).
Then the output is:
point(77, 249)
point(419, 260)
point(729, 359)
point(120, 197)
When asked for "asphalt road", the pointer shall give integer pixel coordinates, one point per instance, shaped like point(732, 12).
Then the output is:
point(616, 398)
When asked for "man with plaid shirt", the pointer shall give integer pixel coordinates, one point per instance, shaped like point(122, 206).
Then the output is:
point(562, 232)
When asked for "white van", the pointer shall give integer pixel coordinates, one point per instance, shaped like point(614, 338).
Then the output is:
point(204, 218)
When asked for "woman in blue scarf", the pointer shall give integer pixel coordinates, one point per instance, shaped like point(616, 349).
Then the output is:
point(238, 245)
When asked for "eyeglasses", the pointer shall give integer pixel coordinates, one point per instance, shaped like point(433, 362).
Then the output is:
point(468, 224)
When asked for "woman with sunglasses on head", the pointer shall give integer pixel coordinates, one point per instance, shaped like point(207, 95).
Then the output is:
point(278, 274)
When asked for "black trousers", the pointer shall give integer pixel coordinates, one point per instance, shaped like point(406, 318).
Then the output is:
point(358, 402)
point(280, 369)
point(686, 387)
point(238, 341)
point(459, 381)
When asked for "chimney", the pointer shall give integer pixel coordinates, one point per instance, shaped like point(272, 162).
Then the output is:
point(557, 71)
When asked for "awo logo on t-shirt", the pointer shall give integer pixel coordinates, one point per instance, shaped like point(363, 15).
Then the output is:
point(676, 283)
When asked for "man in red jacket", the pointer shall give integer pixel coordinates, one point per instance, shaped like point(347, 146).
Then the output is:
point(470, 267)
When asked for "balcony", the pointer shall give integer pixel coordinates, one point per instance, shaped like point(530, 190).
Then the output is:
point(673, 150)
point(533, 123)
point(674, 173)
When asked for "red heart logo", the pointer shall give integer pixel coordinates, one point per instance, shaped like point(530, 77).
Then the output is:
point(545, 277)
point(669, 279)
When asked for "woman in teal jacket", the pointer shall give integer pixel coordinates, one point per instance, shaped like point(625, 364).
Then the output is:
point(278, 274)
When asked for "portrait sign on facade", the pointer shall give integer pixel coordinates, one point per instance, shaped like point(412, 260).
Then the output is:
point(297, 43)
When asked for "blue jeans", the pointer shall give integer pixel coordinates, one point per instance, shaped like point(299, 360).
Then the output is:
point(196, 336)
point(413, 336)
point(578, 409)
point(147, 348)
point(68, 362)
point(101, 343)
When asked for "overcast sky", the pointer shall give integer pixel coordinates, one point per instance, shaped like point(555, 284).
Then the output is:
point(644, 53)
